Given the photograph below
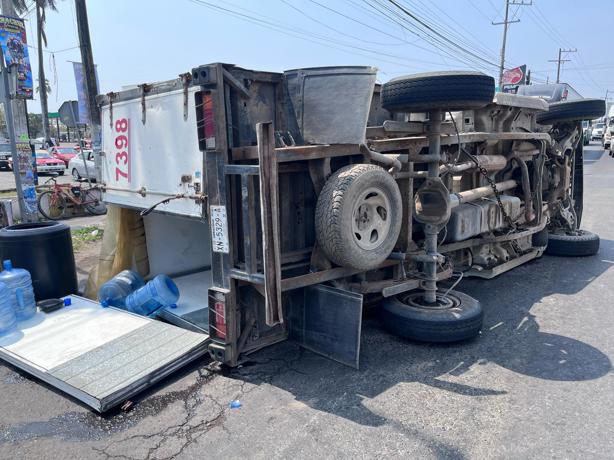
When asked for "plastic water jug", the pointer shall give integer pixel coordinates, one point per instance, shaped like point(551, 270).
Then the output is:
point(114, 292)
point(159, 292)
point(7, 313)
point(21, 293)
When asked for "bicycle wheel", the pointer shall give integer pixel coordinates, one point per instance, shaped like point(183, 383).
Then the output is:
point(51, 205)
point(93, 202)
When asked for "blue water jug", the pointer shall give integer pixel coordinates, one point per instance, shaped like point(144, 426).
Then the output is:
point(7, 313)
point(159, 292)
point(21, 293)
point(114, 292)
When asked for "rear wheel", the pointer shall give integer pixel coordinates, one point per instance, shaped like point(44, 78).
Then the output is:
point(584, 109)
point(358, 216)
point(455, 316)
point(51, 205)
point(95, 205)
point(574, 244)
point(450, 90)
point(75, 174)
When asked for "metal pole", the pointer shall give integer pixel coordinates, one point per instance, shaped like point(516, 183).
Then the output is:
point(430, 230)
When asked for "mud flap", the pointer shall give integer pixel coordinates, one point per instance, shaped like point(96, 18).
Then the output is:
point(328, 321)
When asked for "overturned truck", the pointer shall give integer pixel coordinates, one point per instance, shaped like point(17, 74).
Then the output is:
point(282, 203)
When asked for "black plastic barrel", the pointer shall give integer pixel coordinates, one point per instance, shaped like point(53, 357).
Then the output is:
point(45, 250)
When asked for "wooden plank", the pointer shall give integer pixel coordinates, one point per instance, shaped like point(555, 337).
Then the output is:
point(269, 206)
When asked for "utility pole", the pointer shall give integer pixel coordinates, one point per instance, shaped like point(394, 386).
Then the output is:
point(16, 115)
point(89, 73)
point(560, 60)
point(505, 23)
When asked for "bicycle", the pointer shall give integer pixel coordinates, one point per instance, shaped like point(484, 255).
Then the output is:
point(52, 204)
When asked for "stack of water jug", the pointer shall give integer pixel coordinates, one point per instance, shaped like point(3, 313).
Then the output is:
point(128, 291)
point(17, 301)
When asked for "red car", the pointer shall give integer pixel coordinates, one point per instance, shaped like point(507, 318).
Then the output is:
point(46, 164)
point(63, 153)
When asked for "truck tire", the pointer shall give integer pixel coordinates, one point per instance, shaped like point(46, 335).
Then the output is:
point(584, 243)
point(358, 216)
point(583, 109)
point(449, 90)
point(404, 316)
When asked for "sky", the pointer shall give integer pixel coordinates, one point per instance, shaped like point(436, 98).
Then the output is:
point(143, 41)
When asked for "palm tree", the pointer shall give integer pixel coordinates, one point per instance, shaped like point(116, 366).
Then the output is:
point(47, 86)
point(41, 8)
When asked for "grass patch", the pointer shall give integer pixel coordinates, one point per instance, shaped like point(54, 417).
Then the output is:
point(86, 235)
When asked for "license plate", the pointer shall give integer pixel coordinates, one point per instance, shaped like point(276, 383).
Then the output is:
point(219, 229)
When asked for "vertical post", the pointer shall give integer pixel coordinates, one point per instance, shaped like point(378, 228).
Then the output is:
point(91, 85)
point(430, 230)
point(558, 67)
point(502, 57)
point(269, 209)
point(26, 193)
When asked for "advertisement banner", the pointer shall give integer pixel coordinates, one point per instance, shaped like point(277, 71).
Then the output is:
point(84, 116)
point(512, 78)
point(15, 49)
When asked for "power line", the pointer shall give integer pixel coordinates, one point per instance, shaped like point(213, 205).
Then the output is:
point(443, 37)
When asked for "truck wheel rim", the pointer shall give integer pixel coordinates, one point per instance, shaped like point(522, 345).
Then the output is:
point(371, 219)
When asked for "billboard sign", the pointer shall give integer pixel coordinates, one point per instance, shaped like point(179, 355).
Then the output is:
point(512, 78)
point(84, 116)
point(15, 50)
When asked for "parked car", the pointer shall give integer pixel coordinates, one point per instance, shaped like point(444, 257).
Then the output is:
point(587, 131)
point(77, 168)
point(63, 153)
point(550, 92)
point(597, 132)
point(5, 155)
point(46, 164)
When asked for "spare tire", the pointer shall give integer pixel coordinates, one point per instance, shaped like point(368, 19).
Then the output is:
point(583, 243)
point(358, 216)
point(449, 90)
point(583, 109)
point(403, 315)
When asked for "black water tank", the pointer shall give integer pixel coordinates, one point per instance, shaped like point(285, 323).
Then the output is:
point(45, 250)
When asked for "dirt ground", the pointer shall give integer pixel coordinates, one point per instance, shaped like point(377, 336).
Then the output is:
point(86, 258)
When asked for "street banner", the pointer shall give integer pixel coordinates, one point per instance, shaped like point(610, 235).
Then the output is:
point(512, 78)
point(15, 49)
point(84, 116)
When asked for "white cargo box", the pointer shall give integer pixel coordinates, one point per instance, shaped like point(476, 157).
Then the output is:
point(151, 149)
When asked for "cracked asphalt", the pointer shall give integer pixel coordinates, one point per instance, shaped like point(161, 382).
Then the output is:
point(536, 383)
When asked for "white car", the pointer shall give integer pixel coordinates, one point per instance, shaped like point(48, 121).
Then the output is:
point(77, 168)
point(597, 131)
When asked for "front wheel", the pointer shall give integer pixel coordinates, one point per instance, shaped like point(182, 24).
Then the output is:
point(93, 202)
point(75, 174)
point(51, 205)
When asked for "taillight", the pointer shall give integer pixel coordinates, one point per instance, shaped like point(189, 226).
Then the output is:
point(208, 121)
point(217, 315)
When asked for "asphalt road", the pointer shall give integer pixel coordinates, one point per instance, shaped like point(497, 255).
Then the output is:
point(7, 179)
point(537, 383)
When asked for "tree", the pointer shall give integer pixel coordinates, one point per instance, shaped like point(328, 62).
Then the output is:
point(41, 17)
point(47, 86)
point(35, 125)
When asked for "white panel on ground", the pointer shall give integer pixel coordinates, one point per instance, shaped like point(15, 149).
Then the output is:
point(101, 356)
